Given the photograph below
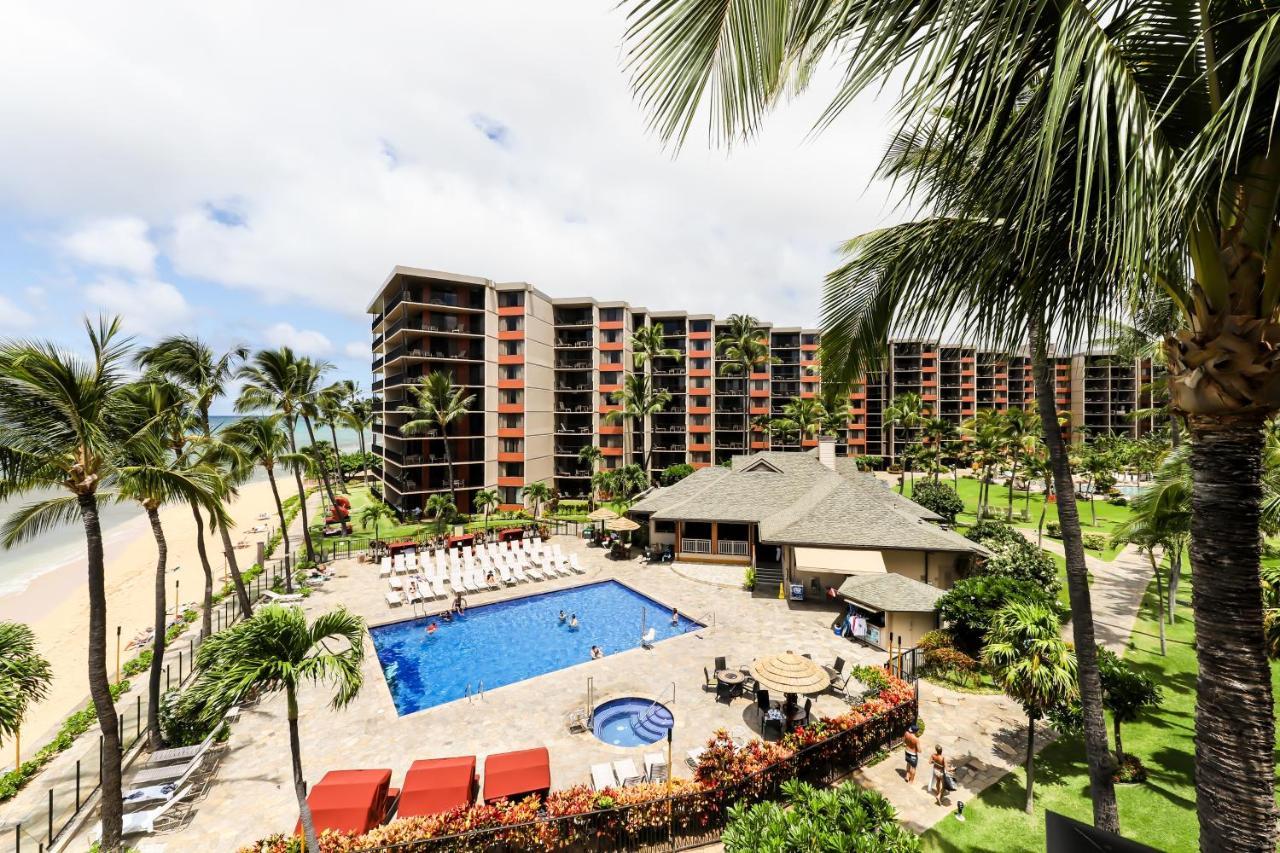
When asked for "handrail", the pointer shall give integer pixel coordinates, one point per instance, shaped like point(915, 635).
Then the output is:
point(644, 716)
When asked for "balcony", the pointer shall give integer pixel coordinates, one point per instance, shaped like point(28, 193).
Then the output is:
point(695, 546)
point(573, 364)
point(732, 548)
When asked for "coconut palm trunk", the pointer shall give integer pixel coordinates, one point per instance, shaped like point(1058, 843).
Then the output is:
point(1235, 722)
point(1155, 570)
point(275, 494)
point(302, 508)
point(337, 458)
point(299, 783)
point(1101, 785)
point(321, 462)
point(233, 566)
point(99, 685)
point(206, 616)
point(448, 461)
point(1031, 763)
point(157, 642)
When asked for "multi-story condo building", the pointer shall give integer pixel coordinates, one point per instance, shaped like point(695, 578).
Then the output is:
point(543, 375)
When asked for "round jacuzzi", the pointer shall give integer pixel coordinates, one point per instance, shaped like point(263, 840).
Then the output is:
point(631, 721)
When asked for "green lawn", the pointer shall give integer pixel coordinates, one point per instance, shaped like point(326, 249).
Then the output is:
point(1159, 812)
point(1108, 516)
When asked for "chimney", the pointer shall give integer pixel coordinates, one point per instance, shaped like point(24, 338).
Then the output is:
point(827, 451)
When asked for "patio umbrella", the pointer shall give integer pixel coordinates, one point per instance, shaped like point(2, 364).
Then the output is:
point(789, 673)
point(621, 525)
point(602, 514)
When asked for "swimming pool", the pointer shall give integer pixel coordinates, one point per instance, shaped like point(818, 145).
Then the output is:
point(509, 641)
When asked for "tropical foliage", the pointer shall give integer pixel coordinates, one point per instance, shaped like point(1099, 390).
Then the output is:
point(847, 817)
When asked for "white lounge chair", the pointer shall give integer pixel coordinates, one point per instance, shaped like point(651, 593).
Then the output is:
point(655, 767)
point(625, 770)
point(648, 638)
point(602, 777)
point(394, 598)
point(395, 583)
point(519, 574)
point(170, 772)
point(573, 564)
point(281, 598)
point(385, 570)
point(139, 822)
point(413, 594)
point(694, 757)
point(179, 753)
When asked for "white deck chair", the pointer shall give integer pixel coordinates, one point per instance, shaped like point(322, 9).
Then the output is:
point(602, 777)
point(573, 565)
point(625, 770)
point(413, 594)
point(562, 566)
point(394, 598)
point(533, 571)
point(137, 823)
point(385, 570)
point(518, 573)
point(179, 753)
point(655, 767)
point(507, 577)
point(170, 772)
point(281, 597)
point(555, 549)
point(438, 586)
point(395, 583)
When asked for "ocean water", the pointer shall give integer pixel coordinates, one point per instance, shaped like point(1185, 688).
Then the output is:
point(509, 641)
point(25, 562)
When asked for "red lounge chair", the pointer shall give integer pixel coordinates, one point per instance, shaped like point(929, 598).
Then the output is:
point(351, 800)
point(516, 774)
point(437, 785)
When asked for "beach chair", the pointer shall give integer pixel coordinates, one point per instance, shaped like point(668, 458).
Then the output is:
point(180, 753)
point(394, 598)
point(573, 565)
point(694, 757)
point(625, 770)
point(413, 594)
point(385, 570)
point(534, 572)
point(140, 822)
point(602, 777)
point(655, 767)
point(519, 574)
point(281, 598)
point(170, 772)
point(395, 583)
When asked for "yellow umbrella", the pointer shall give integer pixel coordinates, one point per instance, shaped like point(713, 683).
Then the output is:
point(789, 673)
point(621, 525)
point(603, 514)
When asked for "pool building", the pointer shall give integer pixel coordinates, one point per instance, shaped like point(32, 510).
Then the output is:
point(823, 530)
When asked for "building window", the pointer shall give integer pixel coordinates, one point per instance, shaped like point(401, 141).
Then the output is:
point(511, 298)
point(664, 527)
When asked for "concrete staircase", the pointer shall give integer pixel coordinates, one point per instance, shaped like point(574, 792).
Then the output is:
point(768, 578)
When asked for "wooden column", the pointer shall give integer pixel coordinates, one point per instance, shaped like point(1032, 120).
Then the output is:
point(715, 536)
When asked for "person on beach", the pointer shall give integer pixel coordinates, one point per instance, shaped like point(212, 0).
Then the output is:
point(911, 743)
point(937, 786)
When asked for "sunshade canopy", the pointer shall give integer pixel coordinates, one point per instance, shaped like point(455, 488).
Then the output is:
point(349, 800)
point(840, 561)
point(602, 514)
point(621, 525)
point(437, 785)
point(514, 774)
point(789, 673)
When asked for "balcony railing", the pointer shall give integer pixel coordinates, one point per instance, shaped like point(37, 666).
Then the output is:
point(733, 548)
point(695, 546)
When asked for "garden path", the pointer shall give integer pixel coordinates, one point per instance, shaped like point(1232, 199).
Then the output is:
point(1116, 592)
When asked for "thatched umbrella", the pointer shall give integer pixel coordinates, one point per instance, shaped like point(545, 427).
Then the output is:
point(602, 514)
point(621, 525)
point(789, 673)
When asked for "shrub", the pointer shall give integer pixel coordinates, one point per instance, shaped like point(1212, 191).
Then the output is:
point(951, 662)
point(673, 474)
point(1053, 529)
point(1095, 541)
point(1130, 770)
point(935, 639)
point(1013, 555)
point(137, 665)
point(939, 498)
point(1118, 500)
point(972, 603)
point(180, 724)
point(749, 578)
point(847, 818)
point(873, 676)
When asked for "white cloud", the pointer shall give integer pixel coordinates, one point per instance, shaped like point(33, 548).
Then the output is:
point(12, 317)
point(146, 306)
point(303, 169)
point(305, 341)
point(118, 243)
point(357, 351)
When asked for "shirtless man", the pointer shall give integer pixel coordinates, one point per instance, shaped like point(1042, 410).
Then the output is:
point(911, 740)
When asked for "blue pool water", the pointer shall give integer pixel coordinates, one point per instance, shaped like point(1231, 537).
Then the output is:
point(509, 641)
point(632, 721)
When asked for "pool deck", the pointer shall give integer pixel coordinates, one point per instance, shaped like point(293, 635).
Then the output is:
point(250, 793)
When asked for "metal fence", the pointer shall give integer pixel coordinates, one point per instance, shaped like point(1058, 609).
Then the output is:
point(71, 786)
point(685, 821)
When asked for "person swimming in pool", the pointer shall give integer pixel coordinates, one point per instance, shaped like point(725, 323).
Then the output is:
point(562, 617)
point(596, 653)
point(431, 628)
point(675, 618)
point(573, 621)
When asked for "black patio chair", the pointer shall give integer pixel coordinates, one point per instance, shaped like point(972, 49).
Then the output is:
point(708, 680)
point(720, 664)
point(808, 704)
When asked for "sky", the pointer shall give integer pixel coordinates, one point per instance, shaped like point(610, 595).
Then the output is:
point(250, 172)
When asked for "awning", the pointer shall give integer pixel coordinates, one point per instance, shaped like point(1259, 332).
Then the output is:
point(840, 561)
point(515, 774)
point(438, 785)
point(349, 800)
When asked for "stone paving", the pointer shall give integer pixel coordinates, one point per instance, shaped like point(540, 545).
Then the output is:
point(250, 794)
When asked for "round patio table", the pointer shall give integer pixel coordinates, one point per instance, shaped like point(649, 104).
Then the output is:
point(729, 680)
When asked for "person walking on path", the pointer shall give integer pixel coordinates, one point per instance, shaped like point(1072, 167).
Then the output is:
point(938, 785)
point(911, 742)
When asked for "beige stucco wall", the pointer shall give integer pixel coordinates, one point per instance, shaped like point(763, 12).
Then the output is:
point(909, 627)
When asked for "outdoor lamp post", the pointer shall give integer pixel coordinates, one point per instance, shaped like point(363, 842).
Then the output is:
point(118, 629)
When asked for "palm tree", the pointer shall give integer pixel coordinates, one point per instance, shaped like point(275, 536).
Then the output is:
point(744, 346)
point(905, 412)
point(153, 476)
point(485, 500)
point(591, 456)
point(537, 491)
point(311, 396)
point(276, 650)
point(1123, 144)
point(807, 414)
point(331, 405)
point(649, 343)
point(271, 381)
point(1033, 665)
point(262, 440)
point(1016, 426)
point(438, 403)
point(935, 432)
point(63, 423)
point(604, 483)
point(374, 512)
point(442, 510)
point(638, 400)
point(205, 375)
point(24, 675)
point(359, 415)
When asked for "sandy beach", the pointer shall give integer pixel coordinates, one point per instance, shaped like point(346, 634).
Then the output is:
point(56, 604)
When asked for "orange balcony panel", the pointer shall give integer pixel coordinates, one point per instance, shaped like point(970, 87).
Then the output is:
point(511, 311)
point(858, 395)
point(511, 481)
point(966, 413)
point(1004, 374)
point(611, 346)
point(699, 353)
point(757, 393)
point(699, 410)
point(759, 410)
point(511, 334)
point(929, 368)
point(611, 451)
point(809, 442)
point(699, 392)
point(510, 432)
point(968, 398)
point(928, 355)
point(510, 384)
point(611, 429)
point(511, 408)
point(759, 445)
point(610, 389)
point(929, 398)
point(809, 347)
point(759, 377)
point(857, 441)
point(808, 362)
point(966, 359)
point(611, 368)
point(511, 507)
point(518, 358)
point(510, 456)
point(810, 378)
point(610, 325)
point(967, 372)
point(807, 395)
point(700, 371)
point(605, 408)
point(701, 464)
point(699, 336)
point(861, 411)
point(700, 428)
point(700, 447)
